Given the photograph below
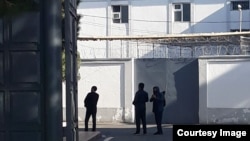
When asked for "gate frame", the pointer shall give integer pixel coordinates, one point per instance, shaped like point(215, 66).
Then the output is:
point(70, 28)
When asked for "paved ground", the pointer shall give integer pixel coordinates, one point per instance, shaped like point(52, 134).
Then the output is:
point(123, 132)
point(89, 136)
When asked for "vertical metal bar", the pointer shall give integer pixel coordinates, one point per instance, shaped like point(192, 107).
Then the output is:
point(108, 28)
point(71, 71)
point(241, 45)
point(69, 136)
point(240, 12)
point(6, 39)
point(51, 41)
point(68, 56)
point(75, 78)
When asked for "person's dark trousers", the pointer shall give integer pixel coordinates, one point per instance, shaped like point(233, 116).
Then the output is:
point(140, 115)
point(158, 120)
point(88, 114)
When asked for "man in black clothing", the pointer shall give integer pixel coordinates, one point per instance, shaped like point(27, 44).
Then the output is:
point(140, 99)
point(158, 106)
point(90, 103)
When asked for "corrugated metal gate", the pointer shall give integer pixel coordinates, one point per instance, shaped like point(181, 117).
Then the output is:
point(31, 72)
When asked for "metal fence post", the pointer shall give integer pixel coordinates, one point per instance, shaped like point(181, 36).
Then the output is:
point(51, 42)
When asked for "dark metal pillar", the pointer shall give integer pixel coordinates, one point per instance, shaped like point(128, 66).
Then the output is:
point(69, 91)
point(52, 44)
point(71, 70)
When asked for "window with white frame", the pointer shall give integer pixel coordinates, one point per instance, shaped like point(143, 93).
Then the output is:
point(181, 12)
point(244, 5)
point(120, 13)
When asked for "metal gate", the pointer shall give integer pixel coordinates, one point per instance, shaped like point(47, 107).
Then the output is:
point(31, 72)
point(70, 35)
point(22, 93)
point(22, 99)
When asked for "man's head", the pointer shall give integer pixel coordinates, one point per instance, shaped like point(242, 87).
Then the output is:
point(141, 86)
point(156, 89)
point(93, 89)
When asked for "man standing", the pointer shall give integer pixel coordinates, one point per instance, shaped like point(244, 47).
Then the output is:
point(140, 99)
point(158, 106)
point(90, 103)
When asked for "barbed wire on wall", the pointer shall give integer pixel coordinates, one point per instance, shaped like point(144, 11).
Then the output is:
point(186, 47)
point(245, 45)
point(159, 51)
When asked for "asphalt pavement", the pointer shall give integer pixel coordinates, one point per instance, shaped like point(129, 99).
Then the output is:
point(124, 132)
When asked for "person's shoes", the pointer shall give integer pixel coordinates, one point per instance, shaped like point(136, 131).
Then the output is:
point(144, 133)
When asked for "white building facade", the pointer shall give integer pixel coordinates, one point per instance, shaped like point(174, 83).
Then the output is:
point(154, 17)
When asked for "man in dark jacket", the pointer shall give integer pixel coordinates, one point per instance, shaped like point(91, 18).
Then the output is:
point(140, 99)
point(90, 103)
point(158, 107)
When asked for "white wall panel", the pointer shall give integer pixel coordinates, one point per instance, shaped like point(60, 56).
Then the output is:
point(108, 79)
point(228, 84)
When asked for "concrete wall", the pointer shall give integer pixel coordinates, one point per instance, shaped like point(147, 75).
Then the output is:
point(224, 90)
point(117, 82)
point(179, 78)
point(211, 90)
point(113, 80)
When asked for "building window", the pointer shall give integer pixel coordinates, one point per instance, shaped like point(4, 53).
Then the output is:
point(120, 14)
point(244, 5)
point(181, 12)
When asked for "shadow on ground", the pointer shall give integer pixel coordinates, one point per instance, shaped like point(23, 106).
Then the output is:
point(124, 132)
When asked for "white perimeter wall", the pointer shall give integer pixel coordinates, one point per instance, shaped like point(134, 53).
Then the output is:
point(114, 81)
point(228, 84)
point(224, 89)
point(109, 79)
